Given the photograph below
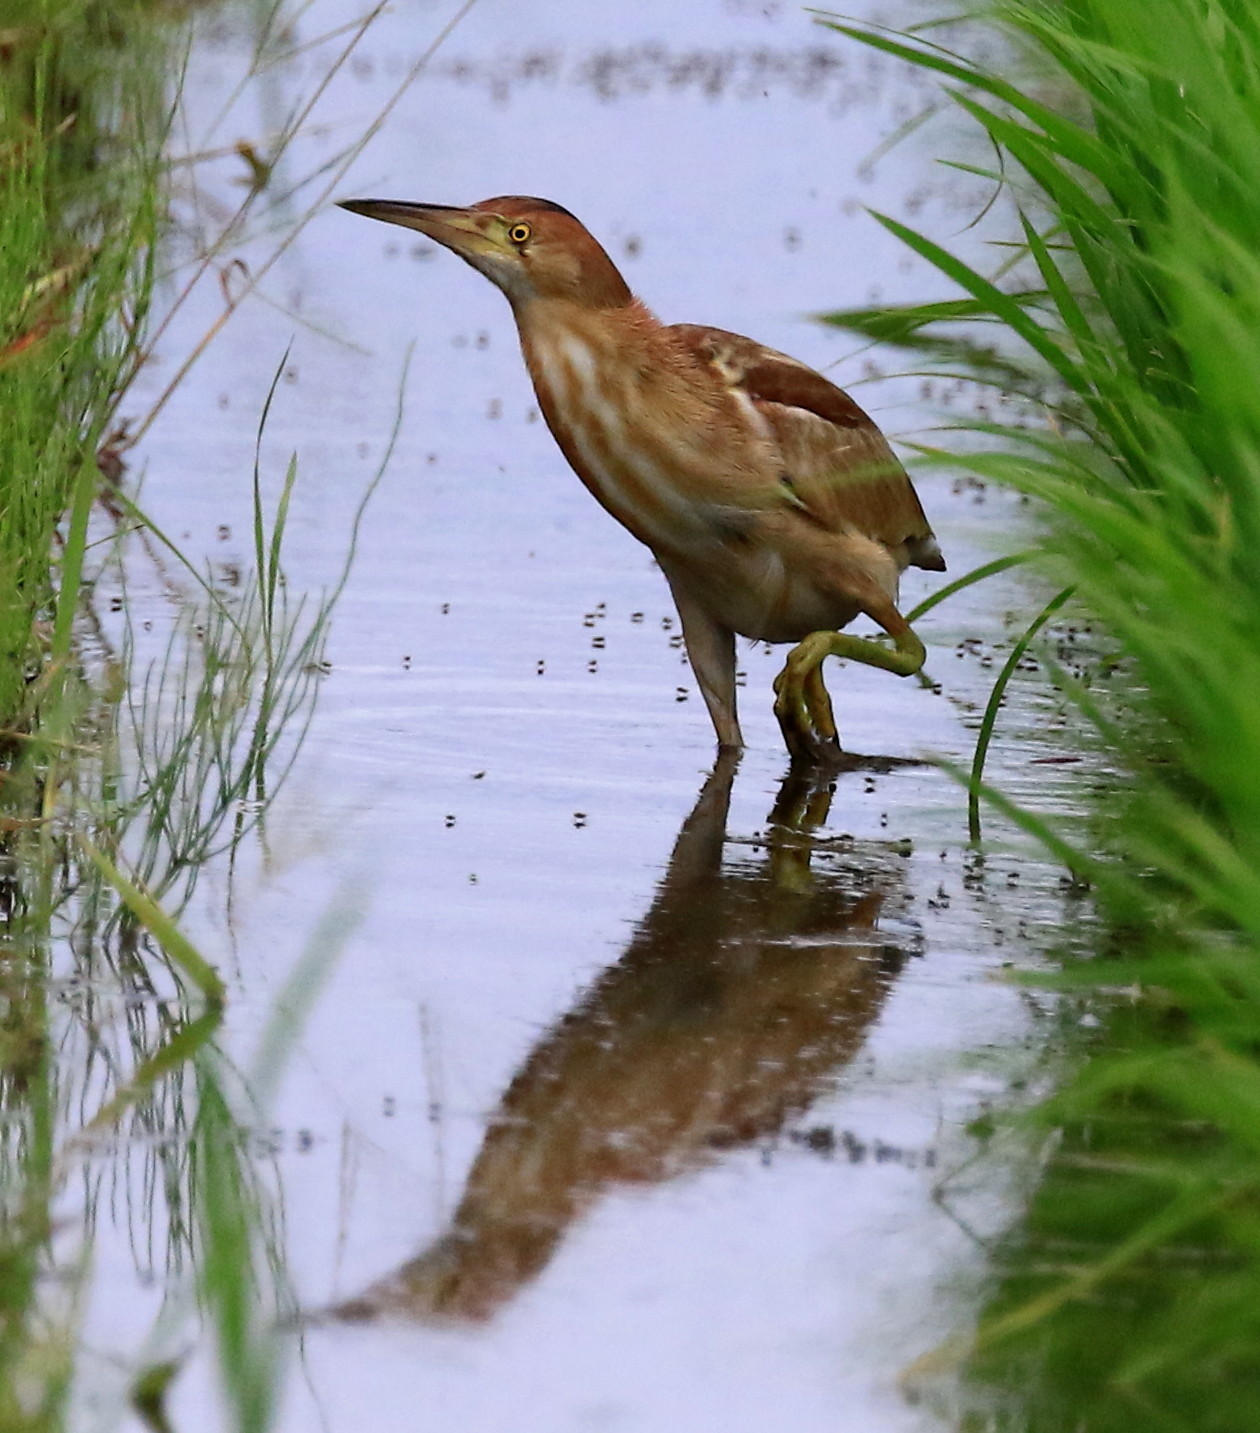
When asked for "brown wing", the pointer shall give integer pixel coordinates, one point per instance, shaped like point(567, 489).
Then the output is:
point(837, 462)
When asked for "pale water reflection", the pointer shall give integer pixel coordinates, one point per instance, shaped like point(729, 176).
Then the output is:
point(753, 977)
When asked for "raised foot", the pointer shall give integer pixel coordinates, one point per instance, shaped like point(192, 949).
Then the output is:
point(803, 707)
point(801, 702)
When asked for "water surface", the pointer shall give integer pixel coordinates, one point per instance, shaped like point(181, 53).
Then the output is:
point(639, 1096)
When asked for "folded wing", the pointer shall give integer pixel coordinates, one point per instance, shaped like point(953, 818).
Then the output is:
point(837, 465)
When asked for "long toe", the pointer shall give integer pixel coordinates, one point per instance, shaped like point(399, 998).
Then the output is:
point(803, 707)
point(800, 736)
point(793, 714)
point(818, 700)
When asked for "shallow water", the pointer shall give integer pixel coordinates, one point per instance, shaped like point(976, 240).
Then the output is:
point(602, 1122)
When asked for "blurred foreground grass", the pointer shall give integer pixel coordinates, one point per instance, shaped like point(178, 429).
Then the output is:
point(1126, 138)
point(118, 785)
point(82, 119)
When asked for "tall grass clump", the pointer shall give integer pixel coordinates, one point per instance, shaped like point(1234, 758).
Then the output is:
point(129, 764)
point(82, 118)
point(1128, 144)
point(122, 776)
point(81, 121)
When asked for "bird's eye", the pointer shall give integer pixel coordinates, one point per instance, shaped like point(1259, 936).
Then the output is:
point(519, 233)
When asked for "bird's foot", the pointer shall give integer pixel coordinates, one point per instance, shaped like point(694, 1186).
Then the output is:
point(803, 706)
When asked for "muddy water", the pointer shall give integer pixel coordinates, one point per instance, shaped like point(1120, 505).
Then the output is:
point(639, 1096)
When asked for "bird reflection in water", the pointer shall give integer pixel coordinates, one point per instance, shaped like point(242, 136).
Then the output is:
point(749, 982)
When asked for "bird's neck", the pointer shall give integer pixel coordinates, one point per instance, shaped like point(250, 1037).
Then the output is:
point(576, 353)
point(542, 321)
point(629, 409)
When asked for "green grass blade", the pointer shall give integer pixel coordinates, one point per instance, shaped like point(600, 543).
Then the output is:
point(999, 304)
point(993, 705)
point(184, 955)
point(969, 579)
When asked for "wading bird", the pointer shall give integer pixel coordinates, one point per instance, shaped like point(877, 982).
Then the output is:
point(772, 503)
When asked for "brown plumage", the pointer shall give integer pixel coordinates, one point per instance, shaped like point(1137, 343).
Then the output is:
point(837, 461)
point(773, 504)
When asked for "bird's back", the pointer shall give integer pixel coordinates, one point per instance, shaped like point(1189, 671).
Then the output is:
point(837, 466)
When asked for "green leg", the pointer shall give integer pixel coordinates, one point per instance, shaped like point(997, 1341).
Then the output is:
point(801, 701)
point(803, 806)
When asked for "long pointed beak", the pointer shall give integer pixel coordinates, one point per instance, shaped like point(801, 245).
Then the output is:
point(457, 229)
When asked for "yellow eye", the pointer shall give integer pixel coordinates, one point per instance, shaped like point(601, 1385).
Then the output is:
point(519, 233)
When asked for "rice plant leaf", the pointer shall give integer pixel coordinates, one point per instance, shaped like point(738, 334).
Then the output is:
point(233, 1264)
point(1043, 161)
point(997, 302)
point(1065, 300)
point(992, 706)
point(70, 588)
point(143, 520)
point(969, 579)
point(171, 1055)
point(273, 572)
point(1189, 1208)
point(1076, 144)
point(160, 926)
point(260, 521)
point(901, 325)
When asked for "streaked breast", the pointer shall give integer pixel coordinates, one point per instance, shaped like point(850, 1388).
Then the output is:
point(604, 420)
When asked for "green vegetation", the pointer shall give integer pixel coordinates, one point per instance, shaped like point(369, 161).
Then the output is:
point(80, 136)
point(80, 142)
point(119, 778)
point(123, 1072)
point(1130, 151)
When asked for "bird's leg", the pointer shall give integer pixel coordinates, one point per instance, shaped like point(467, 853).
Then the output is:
point(801, 701)
point(803, 805)
point(711, 652)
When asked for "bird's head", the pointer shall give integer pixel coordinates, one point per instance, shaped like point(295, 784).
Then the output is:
point(530, 248)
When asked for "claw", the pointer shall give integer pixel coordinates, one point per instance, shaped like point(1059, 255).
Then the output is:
point(789, 707)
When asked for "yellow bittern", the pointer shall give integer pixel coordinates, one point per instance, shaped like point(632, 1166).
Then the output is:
point(772, 503)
